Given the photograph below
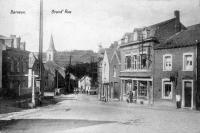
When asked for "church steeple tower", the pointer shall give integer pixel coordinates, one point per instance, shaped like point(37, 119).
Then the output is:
point(51, 50)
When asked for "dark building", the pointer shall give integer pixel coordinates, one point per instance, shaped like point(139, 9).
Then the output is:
point(15, 67)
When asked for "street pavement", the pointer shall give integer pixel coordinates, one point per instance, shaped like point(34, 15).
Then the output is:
point(84, 113)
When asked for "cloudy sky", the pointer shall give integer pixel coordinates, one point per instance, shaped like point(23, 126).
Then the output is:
point(91, 22)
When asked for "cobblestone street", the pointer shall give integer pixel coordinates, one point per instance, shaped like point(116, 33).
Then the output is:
point(84, 113)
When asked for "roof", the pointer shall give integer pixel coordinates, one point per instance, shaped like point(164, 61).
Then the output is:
point(52, 66)
point(157, 29)
point(110, 52)
point(160, 31)
point(117, 54)
point(185, 38)
point(4, 37)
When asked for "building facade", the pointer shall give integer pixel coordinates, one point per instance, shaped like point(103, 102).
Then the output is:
point(15, 70)
point(137, 58)
point(177, 69)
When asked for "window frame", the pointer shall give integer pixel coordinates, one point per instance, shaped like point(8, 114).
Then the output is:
point(184, 59)
point(126, 62)
point(164, 62)
point(163, 89)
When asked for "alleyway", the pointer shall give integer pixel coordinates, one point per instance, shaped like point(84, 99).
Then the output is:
point(84, 113)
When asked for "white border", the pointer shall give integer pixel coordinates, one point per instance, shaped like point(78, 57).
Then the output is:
point(172, 87)
point(164, 62)
point(184, 54)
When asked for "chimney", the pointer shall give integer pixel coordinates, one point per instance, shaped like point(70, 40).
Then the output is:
point(177, 21)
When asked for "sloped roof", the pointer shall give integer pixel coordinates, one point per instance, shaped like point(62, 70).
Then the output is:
point(157, 30)
point(52, 66)
point(4, 37)
point(185, 38)
point(109, 52)
point(118, 54)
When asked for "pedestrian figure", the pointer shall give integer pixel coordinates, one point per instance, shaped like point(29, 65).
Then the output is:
point(40, 98)
point(178, 101)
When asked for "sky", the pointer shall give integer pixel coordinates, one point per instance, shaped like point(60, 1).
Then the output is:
point(91, 22)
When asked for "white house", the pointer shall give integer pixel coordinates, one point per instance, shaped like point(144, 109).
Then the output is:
point(84, 83)
point(105, 90)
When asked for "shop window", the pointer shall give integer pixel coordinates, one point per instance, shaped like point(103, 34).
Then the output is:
point(128, 86)
point(166, 89)
point(142, 90)
point(188, 62)
point(167, 62)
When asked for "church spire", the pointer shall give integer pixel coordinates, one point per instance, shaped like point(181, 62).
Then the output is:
point(51, 51)
point(51, 45)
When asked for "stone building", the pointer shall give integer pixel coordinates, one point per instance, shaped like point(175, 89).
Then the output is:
point(137, 60)
point(15, 66)
point(177, 69)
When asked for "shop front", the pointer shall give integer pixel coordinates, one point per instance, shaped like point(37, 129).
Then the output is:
point(137, 90)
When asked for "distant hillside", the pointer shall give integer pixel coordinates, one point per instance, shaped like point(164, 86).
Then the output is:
point(62, 58)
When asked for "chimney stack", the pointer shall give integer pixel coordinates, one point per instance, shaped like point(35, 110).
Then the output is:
point(177, 21)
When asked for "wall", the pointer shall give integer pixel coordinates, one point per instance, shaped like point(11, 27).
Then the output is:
point(177, 67)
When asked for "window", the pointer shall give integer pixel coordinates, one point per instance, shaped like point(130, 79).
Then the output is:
point(142, 90)
point(12, 65)
point(134, 62)
point(188, 62)
point(114, 71)
point(143, 61)
point(166, 89)
point(167, 62)
point(128, 62)
point(104, 71)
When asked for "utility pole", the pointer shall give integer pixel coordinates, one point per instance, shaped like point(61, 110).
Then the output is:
point(41, 44)
point(33, 90)
point(70, 58)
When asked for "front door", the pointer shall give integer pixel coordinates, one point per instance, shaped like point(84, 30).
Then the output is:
point(187, 93)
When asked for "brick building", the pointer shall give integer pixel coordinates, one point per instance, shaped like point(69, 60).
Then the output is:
point(15, 67)
point(177, 67)
point(137, 60)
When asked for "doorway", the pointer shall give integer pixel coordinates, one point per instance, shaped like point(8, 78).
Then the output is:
point(187, 93)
